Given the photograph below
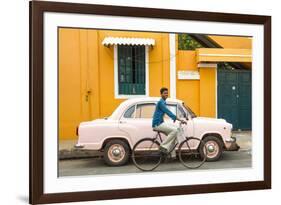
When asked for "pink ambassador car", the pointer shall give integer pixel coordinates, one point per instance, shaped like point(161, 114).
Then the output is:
point(116, 135)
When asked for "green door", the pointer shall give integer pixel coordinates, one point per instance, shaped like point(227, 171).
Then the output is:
point(234, 97)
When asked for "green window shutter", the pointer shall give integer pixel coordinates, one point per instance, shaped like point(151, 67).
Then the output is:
point(131, 70)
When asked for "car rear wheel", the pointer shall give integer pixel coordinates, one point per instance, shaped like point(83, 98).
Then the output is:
point(214, 148)
point(116, 153)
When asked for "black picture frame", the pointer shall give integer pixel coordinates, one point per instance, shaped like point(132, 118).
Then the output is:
point(37, 9)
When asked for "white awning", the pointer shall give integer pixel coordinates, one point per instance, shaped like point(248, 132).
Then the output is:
point(128, 41)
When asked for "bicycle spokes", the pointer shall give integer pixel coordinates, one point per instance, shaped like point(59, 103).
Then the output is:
point(146, 154)
point(189, 154)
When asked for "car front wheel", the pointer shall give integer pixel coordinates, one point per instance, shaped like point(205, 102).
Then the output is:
point(116, 153)
point(214, 148)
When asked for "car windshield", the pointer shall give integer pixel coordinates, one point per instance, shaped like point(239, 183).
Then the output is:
point(189, 111)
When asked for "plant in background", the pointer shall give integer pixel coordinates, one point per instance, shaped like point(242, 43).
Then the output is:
point(186, 42)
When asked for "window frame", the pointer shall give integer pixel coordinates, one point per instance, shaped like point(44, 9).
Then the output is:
point(116, 78)
point(141, 105)
point(168, 104)
point(134, 115)
point(187, 114)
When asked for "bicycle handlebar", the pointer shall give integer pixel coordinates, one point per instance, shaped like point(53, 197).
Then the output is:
point(182, 123)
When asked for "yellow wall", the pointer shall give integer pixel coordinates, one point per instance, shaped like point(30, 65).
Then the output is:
point(207, 92)
point(86, 66)
point(188, 90)
point(233, 41)
point(71, 106)
point(86, 75)
point(199, 95)
point(224, 55)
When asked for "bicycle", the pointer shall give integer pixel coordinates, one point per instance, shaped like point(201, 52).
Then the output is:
point(147, 156)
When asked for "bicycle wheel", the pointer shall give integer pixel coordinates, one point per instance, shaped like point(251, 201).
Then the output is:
point(146, 154)
point(189, 155)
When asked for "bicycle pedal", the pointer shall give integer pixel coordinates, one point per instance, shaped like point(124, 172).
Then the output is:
point(163, 150)
point(167, 159)
point(170, 159)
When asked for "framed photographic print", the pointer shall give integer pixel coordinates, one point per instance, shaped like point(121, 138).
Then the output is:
point(135, 102)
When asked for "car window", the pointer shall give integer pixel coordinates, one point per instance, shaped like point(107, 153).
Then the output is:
point(145, 110)
point(172, 108)
point(181, 113)
point(189, 111)
point(130, 113)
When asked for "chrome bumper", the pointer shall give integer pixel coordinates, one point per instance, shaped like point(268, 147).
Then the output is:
point(231, 145)
point(79, 146)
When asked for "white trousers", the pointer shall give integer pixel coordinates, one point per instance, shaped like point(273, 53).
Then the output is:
point(171, 130)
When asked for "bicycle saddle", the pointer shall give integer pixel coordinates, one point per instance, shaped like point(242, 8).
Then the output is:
point(158, 131)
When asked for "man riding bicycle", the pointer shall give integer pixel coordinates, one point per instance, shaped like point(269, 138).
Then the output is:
point(169, 129)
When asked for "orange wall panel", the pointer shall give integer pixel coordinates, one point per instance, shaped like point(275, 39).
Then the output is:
point(69, 82)
point(188, 90)
point(87, 74)
point(233, 41)
point(208, 92)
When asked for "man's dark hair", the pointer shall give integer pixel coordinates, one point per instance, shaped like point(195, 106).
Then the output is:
point(163, 89)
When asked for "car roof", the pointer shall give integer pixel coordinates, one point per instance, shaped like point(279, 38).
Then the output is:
point(149, 99)
point(125, 104)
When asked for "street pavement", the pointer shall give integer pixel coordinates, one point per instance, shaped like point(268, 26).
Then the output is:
point(96, 166)
point(78, 163)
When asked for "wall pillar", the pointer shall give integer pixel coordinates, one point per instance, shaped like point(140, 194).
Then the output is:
point(172, 91)
point(208, 90)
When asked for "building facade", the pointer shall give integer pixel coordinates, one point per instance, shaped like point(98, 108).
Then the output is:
point(98, 69)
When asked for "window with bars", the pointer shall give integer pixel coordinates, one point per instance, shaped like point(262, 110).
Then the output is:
point(131, 70)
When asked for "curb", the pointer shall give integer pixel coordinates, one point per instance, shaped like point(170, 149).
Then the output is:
point(80, 154)
point(76, 154)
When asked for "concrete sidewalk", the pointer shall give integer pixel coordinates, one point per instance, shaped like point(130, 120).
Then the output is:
point(67, 150)
point(244, 140)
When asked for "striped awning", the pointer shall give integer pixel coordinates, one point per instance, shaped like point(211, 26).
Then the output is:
point(108, 41)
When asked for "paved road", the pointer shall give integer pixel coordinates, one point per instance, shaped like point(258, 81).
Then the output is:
point(94, 166)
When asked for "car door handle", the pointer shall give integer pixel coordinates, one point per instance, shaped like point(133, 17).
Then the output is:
point(122, 122)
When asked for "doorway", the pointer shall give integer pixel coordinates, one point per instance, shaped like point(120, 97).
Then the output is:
point(234, 97)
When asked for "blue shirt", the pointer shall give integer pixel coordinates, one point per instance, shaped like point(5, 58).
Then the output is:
point(160, 110)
